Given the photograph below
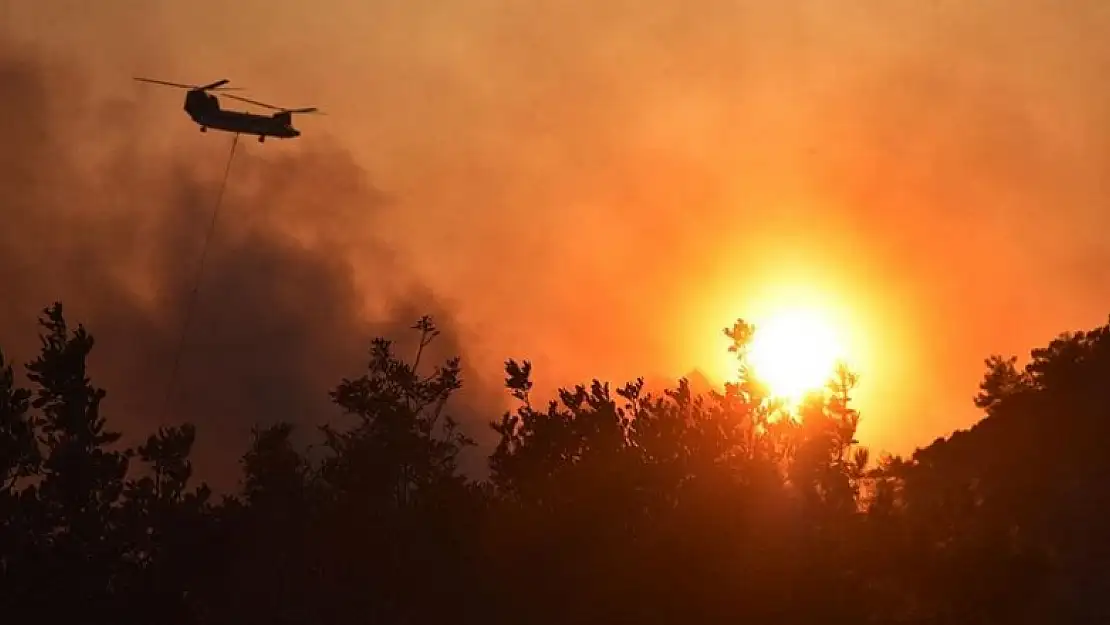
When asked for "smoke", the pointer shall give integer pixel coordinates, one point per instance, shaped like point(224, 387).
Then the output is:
point(116, 233)
point(599, 187)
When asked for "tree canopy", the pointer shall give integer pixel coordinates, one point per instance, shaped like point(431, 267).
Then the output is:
point(608, 504)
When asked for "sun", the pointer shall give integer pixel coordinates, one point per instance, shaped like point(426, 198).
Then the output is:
point(805, 325)
point(795, 352)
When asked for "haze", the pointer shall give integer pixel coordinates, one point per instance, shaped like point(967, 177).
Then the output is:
point(599, 187)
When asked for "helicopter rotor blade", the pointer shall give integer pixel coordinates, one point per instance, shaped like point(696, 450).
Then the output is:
point(216, 86)
point(311, 109)
point(167, 83)
point(255, 102)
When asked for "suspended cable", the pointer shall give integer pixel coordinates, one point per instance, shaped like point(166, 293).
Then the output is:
point(200, 275)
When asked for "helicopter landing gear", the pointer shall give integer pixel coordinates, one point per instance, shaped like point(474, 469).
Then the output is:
point(261, 138)
point(203, 129)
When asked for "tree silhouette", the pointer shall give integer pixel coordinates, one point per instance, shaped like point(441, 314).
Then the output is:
point(19, 453)
point(404, 445)
point(266, 536)
point(1015, 497)
point(624, 492)
point(392, 486)
point(19, 460)
point(606, 504)
point(80, 480)
point(163, 522)
point(80, 540)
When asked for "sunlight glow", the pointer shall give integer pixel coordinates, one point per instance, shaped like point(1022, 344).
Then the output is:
point(807, 320)
point(795, 352)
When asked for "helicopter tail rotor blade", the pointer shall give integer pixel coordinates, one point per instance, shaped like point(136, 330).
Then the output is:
point(310, 109)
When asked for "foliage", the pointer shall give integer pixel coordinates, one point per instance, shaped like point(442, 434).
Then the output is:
point(606, 504)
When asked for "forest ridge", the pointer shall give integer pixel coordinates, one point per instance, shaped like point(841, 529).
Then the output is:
point(608, 505)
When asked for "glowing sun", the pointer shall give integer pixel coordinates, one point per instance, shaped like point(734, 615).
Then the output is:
point(794, 352)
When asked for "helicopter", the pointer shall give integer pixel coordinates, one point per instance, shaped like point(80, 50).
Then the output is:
point(204, 109)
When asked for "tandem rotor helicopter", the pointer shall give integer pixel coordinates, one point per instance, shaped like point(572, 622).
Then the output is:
point(204, 109)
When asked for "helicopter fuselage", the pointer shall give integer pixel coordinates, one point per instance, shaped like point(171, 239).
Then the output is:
point(205, 110)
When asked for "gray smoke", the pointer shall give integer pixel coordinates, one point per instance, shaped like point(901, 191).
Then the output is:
point(116, 234)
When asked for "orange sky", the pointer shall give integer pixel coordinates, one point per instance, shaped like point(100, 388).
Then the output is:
point(636, 175)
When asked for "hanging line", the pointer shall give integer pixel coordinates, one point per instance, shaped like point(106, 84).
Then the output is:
point(200, 275)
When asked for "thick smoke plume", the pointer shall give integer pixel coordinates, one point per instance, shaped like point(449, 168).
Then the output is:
point(115, 229)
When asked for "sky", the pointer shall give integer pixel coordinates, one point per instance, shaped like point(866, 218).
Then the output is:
point(600, 188)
